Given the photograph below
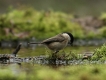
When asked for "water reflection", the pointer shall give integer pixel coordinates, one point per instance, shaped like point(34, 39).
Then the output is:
point(43, 60)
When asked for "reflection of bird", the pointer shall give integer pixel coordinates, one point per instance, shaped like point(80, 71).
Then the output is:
point(57, 42)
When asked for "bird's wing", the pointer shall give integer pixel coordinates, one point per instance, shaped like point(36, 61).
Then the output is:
point(57, 38)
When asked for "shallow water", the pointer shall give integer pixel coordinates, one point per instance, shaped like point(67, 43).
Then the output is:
point(29, 52)
point(39, 65)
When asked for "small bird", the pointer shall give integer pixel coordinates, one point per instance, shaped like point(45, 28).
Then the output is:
point(57, 42)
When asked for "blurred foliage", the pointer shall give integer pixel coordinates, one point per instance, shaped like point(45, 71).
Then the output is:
point(6, 74)
point(103, 32)
point(83, 72)
point(41, 24)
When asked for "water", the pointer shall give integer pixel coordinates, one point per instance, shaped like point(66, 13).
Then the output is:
point(29, 52)
point(42, 55)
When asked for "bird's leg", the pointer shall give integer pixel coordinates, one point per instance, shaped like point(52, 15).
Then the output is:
point(56, 52)
point(54, 55)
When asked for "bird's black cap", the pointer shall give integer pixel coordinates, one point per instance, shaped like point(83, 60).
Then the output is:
point(71, 37)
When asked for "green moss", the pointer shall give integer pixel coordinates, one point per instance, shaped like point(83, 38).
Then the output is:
point(48, 23)
point(100, 53)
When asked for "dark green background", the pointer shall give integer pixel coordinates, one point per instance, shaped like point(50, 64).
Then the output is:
point(79, 7)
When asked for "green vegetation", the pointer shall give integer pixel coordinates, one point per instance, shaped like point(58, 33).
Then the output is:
point(100, 53)
point(40, 24)
point(6, 74)
point(74, 72)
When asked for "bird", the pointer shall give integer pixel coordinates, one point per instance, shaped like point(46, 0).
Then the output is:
point(58, 42)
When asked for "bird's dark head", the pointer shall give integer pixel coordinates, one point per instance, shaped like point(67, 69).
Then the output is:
point(71, 37)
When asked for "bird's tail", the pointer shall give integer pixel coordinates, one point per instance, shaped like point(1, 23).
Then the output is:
point(34, 43)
